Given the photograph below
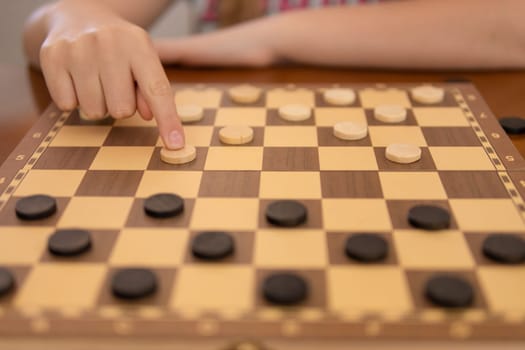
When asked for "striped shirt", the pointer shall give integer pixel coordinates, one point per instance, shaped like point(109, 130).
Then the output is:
point(208, 8)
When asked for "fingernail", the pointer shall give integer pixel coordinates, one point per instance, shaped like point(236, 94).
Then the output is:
point(175, 139)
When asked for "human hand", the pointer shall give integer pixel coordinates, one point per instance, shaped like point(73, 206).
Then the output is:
point(92, 58)
point(247, 45)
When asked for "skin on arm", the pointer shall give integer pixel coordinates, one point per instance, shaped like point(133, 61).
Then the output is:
point(93, 52)
point(435, 34)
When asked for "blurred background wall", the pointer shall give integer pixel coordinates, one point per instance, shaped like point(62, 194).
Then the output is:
point(13, 14)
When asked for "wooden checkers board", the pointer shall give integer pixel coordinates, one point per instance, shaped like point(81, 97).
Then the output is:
point(101, 172)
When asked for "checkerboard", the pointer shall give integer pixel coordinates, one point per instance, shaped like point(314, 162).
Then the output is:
point(101, 172)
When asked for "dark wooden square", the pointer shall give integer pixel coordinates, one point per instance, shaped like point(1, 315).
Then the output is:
point(226, 101)
point(230, 184)
point(19, 273)
point(290, 159)
point(475, 243)
point(132, 136)
point(138, 218)
point(473, 184)
point(326, 138)
point(320, 102)
point(399, 209)
point(71, 158)
point(371, 120)
point(313, 207)
point(273, 118)
point(417, 280)
point(449, 137)
point(426, 162)
point(74, 119)
point(242, 254)
point(315, 279)
point(8, 216)
point(351, 184)
point(156, 163)
point(208, 118)
point(109, 183)
point(161, 297)
point(258, 138)
point(102, 243)
point(448, 101)
point(336, 249)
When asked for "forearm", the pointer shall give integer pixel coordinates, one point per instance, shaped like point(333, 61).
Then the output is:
point(404, 34)
point(140, 12)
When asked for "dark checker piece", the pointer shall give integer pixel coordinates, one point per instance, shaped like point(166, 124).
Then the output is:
point(366, 247)
point(513, 125)
point(212, 245)
point(449, 291)
point(133, 283)
point(35, 207)
point(285, 289)
point(7, 282)
point(164, 205)
point(429, 217)
point(69, 242)
point(286, 213)
point(504, 248)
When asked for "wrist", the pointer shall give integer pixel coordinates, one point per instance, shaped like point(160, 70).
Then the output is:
point(273, 38)
point(265, 34)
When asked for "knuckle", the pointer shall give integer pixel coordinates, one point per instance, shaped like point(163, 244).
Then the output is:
point(160, 87)
point(52, 53)
point(65, 104)
point(93, 114)
point(122, 112)
point(139, 33)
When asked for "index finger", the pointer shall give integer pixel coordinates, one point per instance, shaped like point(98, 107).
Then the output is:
point(156, 90)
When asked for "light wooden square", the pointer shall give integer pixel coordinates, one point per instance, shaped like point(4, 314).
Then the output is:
point(198, 136)
point(484, 215)
point(356, 215)
point(241, 116)
point(136, 120)
point(291, 249)
point(81, 136)
point(225, 214)
point(276, 98)
point(503, 287)
point(368, 288)
point(234, 158)
point(184, 183)
point(213, 287)
point(426, 250)
point(206, 98)
point(23, 245)
point(328, 116)
point(57, 183)
point(414, 185)
point(122, 158)
point(151, 247)
point(96, 212)
point(371, 98)
point(291, 185)
point(347, 158)
point(62, 285)
point(441, 116)
point(290, 136)
point(382, 136)
point(461, 158)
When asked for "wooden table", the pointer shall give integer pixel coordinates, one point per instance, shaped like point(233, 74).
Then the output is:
point(24, 94)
